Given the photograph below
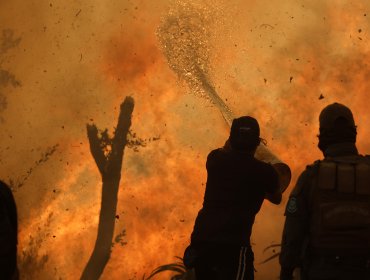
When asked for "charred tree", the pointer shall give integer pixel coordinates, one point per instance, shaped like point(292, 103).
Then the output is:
point(108, 154)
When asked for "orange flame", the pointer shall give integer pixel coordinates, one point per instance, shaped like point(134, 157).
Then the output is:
point(272, 61)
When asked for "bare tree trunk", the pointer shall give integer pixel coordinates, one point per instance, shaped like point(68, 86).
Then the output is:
point(108, 154)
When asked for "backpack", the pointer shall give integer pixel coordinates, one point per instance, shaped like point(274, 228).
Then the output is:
point(340, 203)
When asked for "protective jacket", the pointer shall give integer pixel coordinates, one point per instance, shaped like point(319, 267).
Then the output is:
point(327, 227)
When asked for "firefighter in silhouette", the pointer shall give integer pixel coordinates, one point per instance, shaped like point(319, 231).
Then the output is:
point(237, 184)
point(327, 226)
point(8, 234)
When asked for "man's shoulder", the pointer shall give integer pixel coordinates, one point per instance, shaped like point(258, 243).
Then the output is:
point(223, 152)
point(4, 188)
point(311, 167)
point(305, 178)
point(216, 153)
point(216, 157)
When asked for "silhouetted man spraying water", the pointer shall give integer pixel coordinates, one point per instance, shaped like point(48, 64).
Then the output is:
point(237, 184)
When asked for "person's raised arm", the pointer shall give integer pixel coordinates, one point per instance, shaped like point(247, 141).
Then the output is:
point(273, 193)
point(274, 198)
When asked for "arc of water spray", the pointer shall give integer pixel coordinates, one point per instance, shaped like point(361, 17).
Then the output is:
point(184, 39)
point(262, 152)
point(214, 97)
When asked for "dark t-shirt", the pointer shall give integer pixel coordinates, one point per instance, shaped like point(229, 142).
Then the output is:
point(236, 187)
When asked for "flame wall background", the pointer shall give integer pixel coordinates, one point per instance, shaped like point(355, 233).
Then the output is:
point(66, 63)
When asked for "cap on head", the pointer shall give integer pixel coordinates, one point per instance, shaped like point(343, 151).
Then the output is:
point(244, 133)
point(330, 115)
point(337, 125)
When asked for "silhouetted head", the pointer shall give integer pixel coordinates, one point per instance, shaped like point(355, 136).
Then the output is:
point(244, 134)
point(337, 125)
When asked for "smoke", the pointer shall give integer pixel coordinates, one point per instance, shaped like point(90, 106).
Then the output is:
point(281, 62)
point(7, 42)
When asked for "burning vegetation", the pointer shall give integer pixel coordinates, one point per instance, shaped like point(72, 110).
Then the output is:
point(77, 60)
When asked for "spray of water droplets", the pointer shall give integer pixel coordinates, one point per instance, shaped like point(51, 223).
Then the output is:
point(185, 37)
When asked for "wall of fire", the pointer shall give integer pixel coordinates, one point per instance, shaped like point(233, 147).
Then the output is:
point(67, 63)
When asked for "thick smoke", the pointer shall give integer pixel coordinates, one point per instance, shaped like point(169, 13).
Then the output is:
point(72, 62)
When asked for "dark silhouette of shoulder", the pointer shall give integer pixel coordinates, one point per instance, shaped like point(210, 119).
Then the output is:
point(8, 199)
point(225, 159)
point(228, 154)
